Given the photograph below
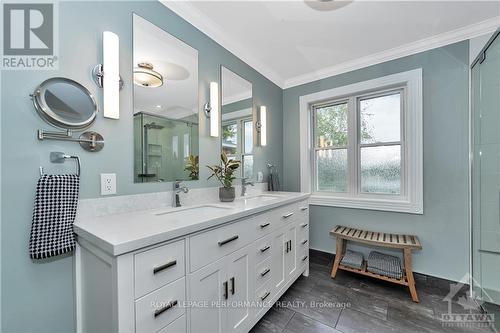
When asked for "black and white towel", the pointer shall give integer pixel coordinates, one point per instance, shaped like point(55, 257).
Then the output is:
point(56, 202)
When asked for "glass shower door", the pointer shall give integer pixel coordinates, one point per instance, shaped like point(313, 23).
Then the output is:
point(485, 91)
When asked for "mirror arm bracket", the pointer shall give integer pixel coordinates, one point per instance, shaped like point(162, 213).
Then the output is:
point(90, 141)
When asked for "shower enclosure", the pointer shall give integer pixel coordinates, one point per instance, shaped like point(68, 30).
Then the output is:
point(162, 147)
point(485, 173)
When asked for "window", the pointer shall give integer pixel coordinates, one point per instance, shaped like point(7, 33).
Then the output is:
point(237, 142)
point(363, 145)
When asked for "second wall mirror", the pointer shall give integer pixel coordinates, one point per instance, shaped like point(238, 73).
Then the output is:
point(237, 135)
point(166, 137)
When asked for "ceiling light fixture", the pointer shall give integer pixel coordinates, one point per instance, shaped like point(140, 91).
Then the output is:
point(145, 76)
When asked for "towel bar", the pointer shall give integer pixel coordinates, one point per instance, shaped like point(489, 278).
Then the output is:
point(59, 157)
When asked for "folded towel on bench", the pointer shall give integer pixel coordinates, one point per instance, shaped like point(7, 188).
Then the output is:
point(352, 259)
point(384, 264)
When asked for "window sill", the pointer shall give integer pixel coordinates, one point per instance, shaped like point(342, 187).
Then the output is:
point(401, 206)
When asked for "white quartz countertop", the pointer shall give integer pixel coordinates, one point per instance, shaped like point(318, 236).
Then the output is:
point(122, 233)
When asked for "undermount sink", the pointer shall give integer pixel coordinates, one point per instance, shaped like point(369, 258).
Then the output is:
point(194, 211)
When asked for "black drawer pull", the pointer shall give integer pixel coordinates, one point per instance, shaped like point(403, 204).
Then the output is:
point(265, 295)
point(265, 225)
point(304, 259)
point(235, 237)
point(264, 249)
point(225, 290)
point(165, 308)
point(267, 270)
point(287, 215)
point(304, 208)
point(160, 268)
point(304, 241)
point(232, 285)
point(303, 225)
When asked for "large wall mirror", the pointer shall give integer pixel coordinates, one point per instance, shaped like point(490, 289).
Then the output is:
point(237, 137)
point(166, 137)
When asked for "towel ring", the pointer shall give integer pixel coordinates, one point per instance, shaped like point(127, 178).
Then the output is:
point(59, 157)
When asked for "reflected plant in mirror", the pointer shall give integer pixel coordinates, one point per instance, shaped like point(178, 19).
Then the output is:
point(237, 138)
point(166, 131)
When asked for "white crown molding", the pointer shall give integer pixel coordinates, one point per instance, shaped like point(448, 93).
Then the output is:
point(192, 15)
point(450, 37)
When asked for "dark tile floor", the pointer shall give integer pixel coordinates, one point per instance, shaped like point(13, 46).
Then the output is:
point(351, 303)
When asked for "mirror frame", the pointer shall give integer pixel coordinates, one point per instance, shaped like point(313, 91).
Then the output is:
point(46, 113)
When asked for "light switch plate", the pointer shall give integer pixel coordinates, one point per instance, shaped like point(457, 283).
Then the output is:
point(108, 183)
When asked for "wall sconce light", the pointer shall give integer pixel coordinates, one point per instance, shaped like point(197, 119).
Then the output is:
point(212, 109)
point(262, 125)
point(107, 75)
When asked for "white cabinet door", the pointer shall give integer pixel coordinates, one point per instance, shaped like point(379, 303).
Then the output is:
point(291, 248)
point(241, 288)
point(207, 288)
point(278, 258)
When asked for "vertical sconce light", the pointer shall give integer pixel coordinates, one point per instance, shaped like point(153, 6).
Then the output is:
point(107, 75)
point(212, 109)
point(262, 125)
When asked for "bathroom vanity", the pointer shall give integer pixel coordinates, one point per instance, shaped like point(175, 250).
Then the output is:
point(204, 268)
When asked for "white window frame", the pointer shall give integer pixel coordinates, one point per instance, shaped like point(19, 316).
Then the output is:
point(411, 198)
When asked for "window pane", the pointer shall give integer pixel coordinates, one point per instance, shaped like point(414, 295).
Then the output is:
point(331, 126)
point(248, 166)
point(381, 169)
point(248, 128)
point(380, 119)
point(230, 139)
point(331, 170)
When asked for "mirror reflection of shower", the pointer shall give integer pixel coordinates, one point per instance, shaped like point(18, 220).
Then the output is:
point(165, 147)
point(145, 149)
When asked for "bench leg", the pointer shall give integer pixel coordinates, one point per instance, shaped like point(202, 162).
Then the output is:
point(338, 256)
point(409, 274)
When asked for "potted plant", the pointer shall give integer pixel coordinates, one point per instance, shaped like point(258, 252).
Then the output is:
point(225, 174)
point(192, 167)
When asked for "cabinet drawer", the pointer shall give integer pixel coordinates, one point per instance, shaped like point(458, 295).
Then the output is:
point(177, 326)
point(157, 267)
point(263, 224)
point(303, 257)
point(263, 272)
point(285, 215)
point(263, 297)
point(303, 210)
point(302, 231)
point(216, 243)
point(263, 248)
point(160, 308)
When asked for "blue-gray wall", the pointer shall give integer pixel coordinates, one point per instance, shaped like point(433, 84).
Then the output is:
point(443, 228)
point(38, 296)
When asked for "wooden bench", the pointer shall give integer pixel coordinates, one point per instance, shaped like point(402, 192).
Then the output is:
point(405, 242)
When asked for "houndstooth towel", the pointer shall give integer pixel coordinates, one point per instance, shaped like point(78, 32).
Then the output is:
point(53, 216)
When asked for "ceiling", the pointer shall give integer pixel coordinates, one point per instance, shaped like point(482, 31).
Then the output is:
point(234, 87)
point(292, 43)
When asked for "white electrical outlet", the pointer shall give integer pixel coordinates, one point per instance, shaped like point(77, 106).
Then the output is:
point(108, 183)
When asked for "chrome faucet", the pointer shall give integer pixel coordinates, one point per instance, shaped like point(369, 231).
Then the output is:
point(176, 189)
point(244, 183)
